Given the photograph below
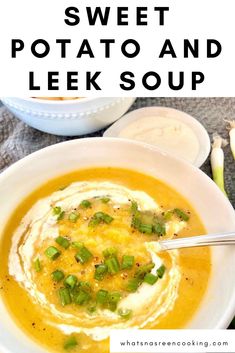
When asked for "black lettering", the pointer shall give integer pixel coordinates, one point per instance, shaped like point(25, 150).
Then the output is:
point(32, 86)
point(52, 80)
point(180, 85)
point(141, 15)
point(194, 49)
point(107, 43)
point(136, 49)
point(197, 78)
point(74, 19)
point(121, 16)
point(71, 80)
point(46, 50)
point(90, 80)
point(16, 45)
point(104, 17)
point(85, 49)
point(218, 49)
point(63, 43)
point(155, 85)
point(167, 49)
point(161, 11)
point(126, 78)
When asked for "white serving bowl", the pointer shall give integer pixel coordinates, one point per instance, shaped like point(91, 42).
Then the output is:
point(69, 117)
point(218, 306)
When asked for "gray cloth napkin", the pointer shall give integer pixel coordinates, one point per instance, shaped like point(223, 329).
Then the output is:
point(18, 140)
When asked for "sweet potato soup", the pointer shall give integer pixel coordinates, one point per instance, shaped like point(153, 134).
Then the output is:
point(82, 254)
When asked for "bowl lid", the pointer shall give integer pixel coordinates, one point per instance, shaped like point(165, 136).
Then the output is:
point(171, 130)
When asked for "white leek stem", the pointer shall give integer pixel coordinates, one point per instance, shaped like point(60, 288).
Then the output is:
point(231, 129)
point(217, 161)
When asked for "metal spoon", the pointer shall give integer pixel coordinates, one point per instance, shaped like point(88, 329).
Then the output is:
point(202, 240)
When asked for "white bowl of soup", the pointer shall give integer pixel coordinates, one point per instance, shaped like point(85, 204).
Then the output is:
point(71, 116)
point(80, 226)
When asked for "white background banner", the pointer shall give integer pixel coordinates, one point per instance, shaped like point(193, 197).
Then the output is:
point(196, 23)
point(172, 341)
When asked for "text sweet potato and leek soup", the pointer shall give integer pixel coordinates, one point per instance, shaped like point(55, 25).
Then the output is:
point(82, 254)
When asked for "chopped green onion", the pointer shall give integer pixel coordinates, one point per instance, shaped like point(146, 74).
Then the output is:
point(217, 161)
point(57, 275)
point(143, 270)
point(62, 241)
point(133, 284)
point(112, 265)
point(134, 207)
point(110, 252)
point(161, 270)
point(57, 210)
point(85, 286)
point(61, 216)
point(125, 313)
point(159, 229)
point(167, 215)
point(82, 297)
point(105, 199)
point(150, 278)
point(102, 296)
point(65, 297)
point(100, 217)
point(52, 252)
point(71, 281)
point(181, 214)
point(70, 343)
point(77, 245)
point(100, 271)
point(73, 217)
point(113, 299)
point(37, 265)
point(84, 255)
point(127, 262)
point(145, 228)
point(85, 204)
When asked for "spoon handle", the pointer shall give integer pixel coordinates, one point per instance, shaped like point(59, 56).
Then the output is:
point(201, 240)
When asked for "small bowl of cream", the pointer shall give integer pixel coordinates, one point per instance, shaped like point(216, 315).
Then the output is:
point(171, 130)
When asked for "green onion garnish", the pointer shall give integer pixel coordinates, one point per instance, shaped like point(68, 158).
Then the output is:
point(133, 284)
point(159, 229)
point(161, 270)
point(71, 281)
point(73, 217)
point(100, 271)
point(112, 265)
point(113, 299)
point(70, 343)
point(100, 217)
point(65, 297)
point(102, 296)
point(77, 245)
point(85, 204)
point(84, 255)
point(125, 313)
point(110, 252)
point(134, 207)
point(52, 252)
point(181, 214)
point(143, 270)
point(150, 278)
point(145, 228)
point(105, 199)
point(62, 241)
point(57, 210)
point(57, 275)
point(37, 265)
point(61, 216)
point(85, 286)
point(127, 262)
point(82, 297)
